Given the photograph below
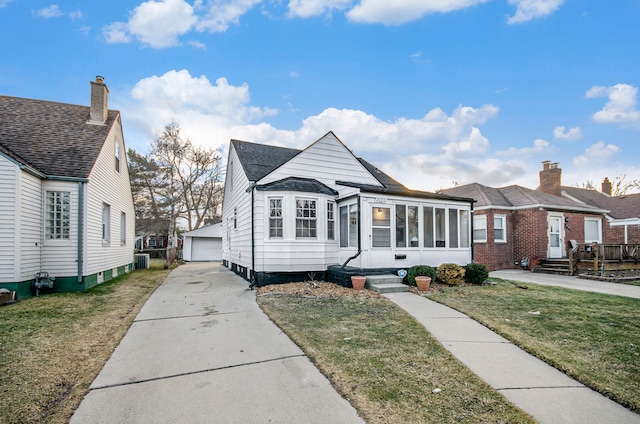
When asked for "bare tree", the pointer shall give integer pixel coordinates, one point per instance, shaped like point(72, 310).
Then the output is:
point(194, 175)
point(620, 186)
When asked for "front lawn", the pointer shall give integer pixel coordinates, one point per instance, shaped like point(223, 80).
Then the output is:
point(385, 363)
point(594, 338)
point(52, 347)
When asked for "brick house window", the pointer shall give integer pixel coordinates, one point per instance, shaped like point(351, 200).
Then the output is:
point(500, 228)
point(592, 230)
point(479, 228)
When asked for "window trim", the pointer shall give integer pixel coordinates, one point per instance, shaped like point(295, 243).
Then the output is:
point(502, 218)
point(117, 154)
point(61, 207)
point(275, 219)
point(106, 223)
point(312, 218)
point(385, 227)
point(331, 220)
point(599, 229)
point(483, 217)
point(123, 228)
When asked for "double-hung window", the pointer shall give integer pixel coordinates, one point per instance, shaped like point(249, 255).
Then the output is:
point(592, 230)
point(275, 218)
point(480, 228)
point(306, 223)
point(500, 228)
point(106, 223)
point(58, 215)
point(381, 227)
point(331, 221)
point(123, 228)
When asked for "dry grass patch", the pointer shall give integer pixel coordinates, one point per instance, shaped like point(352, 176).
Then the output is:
point(52, 347)
point(384, 362)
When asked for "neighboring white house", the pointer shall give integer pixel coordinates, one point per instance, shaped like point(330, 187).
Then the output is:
point(65, 197)
point(203, 244)
point(288, 212)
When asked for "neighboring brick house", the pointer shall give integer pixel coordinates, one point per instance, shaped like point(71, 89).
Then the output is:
point(513, 222)
point(65, 196)
point(622, 225)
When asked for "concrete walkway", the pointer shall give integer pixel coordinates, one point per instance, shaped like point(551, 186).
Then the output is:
point(537, 388)
point(201, 351)
point(569, 282)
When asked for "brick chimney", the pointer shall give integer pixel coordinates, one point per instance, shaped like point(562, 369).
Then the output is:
point(98, 109)
point(606, 186)
point(551, 178)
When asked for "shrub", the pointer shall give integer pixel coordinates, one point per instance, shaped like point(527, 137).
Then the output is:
point(420, 270)
point(475, 273)
point(452, 274)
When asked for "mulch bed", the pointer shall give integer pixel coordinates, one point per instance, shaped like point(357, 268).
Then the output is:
point(325, 289)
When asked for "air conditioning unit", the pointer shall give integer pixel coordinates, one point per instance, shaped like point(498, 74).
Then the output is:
point(142, 260)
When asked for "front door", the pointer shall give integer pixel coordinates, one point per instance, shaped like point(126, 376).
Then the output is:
point(555, 237)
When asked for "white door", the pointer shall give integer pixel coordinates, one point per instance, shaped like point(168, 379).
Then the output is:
point(555, 237)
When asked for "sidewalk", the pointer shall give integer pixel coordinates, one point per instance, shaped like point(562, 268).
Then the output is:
point(202, 351)
point(529, 383)
point(569, 282)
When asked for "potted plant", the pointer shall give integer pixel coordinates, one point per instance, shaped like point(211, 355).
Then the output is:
point(357, 281)
point(421, 276)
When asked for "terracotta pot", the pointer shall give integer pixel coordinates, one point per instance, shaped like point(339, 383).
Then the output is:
point(423, 283)
point(357, 281)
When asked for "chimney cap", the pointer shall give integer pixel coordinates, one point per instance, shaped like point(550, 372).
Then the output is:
point(99, 79)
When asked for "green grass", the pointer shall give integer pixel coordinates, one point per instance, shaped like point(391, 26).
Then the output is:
point(385, 363)
point(594, 338)
point(53, 346)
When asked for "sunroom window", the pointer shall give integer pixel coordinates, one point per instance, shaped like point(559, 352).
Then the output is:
point(381, 227)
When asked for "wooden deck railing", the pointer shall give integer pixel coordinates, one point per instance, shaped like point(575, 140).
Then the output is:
point(602, 257)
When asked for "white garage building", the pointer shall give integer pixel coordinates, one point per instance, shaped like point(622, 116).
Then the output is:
point(203, 244)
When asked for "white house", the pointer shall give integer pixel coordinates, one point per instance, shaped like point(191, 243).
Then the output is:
point(290, 212)
point(65, 198)
point(203, 244)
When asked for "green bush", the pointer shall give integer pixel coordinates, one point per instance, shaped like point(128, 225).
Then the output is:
point(452, 274)
point(475, 273)
point(420, 270)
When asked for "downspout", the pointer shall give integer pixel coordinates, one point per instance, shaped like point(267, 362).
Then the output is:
point(253, 281)
point(472, 258)
point(80, 230)
point(359, 238)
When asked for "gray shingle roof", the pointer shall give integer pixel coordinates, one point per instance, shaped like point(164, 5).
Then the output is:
point(258, 160)
point(304, 185)
point(620, 207)
point(53, 138)
point(515, 196)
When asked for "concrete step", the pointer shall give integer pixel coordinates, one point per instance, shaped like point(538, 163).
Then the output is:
point(385, 284)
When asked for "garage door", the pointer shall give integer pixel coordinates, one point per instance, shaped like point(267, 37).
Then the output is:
point(206, 249)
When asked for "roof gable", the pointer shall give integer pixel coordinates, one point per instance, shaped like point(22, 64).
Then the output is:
point(326, 160)
point(52, 138)
point(258, 160)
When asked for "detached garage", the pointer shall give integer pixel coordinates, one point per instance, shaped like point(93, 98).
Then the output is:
point(203, 244)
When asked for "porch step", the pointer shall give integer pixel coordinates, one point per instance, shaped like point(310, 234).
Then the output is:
point(385, 284)
point(553, 266)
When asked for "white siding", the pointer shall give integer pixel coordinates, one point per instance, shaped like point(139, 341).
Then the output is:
point(31, 225)
point(236, 242)
point(327, 160)
point(59, 257)
point(106, 185)
point(9, 174)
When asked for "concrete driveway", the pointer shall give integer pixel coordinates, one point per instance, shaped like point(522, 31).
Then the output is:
point(201, 351)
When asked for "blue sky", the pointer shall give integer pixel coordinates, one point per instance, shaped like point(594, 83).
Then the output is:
point(434, 92)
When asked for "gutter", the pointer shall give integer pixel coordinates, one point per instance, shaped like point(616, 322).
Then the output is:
point(359, 236)
point(253, 281)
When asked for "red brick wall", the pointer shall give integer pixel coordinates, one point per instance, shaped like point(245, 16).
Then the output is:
point(495, 255)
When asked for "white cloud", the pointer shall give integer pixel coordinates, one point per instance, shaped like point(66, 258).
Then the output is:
point(198, 45)
point(574, 134)
point(157, 24)
point(52, 11)
point(75, 14)
point(222, 13)
point(308, 8)
point(597, 153)
point(4, 3)
point(402, 11)
point(539, 146)
point(532, 9)
point(621, 107)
